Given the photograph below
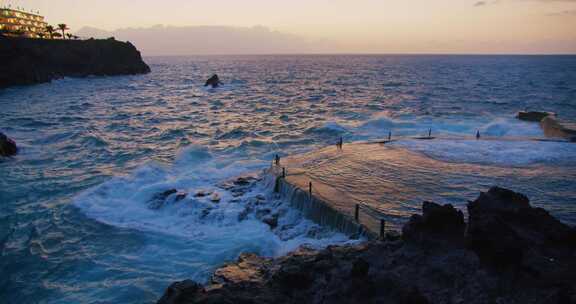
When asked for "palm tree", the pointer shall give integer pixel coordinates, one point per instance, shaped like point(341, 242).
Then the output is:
point(63, 27)
point(56, 35)
point(41, 35)
point(69, 36)
point(50, 30)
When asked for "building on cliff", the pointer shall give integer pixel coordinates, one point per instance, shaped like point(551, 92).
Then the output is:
point(20, 23)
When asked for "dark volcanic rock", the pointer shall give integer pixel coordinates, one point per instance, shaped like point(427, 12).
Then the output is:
point(7, 146)
point(505, 231)
point(181, 292)
point(159, 200)
point(31, 61)
point(437, 224)
point(536, 250)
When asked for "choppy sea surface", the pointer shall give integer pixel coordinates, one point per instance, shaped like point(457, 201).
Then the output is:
point(75, 220)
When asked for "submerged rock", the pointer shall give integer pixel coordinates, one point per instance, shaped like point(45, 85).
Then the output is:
point(7, 146)
point(161, 199)
point(534, 116)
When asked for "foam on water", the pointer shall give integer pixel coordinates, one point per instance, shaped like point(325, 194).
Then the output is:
point(454, 126)
point(124, 202)
point(495, 152)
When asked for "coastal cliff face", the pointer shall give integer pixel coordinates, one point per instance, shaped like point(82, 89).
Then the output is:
point(31, 61)
point(508, 252)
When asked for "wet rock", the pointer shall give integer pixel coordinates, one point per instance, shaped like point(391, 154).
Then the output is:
point(7, 146)
point(202, 193)
point(244, 181)
point(159, 199)
point(180, 196)
point(213, 81)
point(215, 198)
point(437, 224)
point(534, 116)
point(271, 221)
point(181, 292)
point(248, 268)
point(506, 232)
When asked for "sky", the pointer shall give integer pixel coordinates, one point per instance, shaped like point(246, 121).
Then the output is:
point(343, 26)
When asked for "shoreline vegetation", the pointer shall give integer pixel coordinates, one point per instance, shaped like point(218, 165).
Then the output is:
point(506, 252)
point(29, 61)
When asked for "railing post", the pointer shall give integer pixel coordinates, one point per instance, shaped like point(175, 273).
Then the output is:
point(389, 135)
point(477, 134)
point(284, 172)
point(310, 189)
point(430, 132)
point(382, 228)
point(357, 213)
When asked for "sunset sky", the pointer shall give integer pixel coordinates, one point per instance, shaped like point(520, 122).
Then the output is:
point(354, 26)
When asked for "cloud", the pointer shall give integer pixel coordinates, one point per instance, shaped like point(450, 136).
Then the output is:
point(190, 40)
point(480, 3)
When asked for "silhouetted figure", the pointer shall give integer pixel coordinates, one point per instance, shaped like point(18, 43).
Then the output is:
point(213, 81)
point(340, 143)
point(7, 146)
point(478, 134)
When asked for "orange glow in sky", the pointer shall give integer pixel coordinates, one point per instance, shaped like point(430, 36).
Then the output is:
point(349, 26)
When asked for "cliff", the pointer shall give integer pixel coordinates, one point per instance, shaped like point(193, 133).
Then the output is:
point(31, 61)
point(507, 252)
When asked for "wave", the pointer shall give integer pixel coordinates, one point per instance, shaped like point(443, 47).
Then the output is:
point(125, 201)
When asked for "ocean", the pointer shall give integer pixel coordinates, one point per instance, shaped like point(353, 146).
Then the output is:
point(75, 221)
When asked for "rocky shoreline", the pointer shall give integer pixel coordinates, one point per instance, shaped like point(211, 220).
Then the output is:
point(31, 61)
point(506, 252)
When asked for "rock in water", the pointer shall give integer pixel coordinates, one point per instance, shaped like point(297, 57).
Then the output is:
point(215, 198)
point(7, 146)
point(213, 81)
point(533, 115)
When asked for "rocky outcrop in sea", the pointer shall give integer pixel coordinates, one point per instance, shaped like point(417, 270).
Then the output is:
point(7, 146)
point(506, 252)
point(32, 61)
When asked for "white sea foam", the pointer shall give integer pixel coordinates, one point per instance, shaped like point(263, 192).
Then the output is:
point(495, 152)
point(124, 202)
point(410, 126)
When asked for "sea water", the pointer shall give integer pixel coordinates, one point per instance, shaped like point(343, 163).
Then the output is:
point(75, 224)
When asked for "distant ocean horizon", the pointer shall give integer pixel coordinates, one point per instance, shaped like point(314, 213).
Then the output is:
point(75, 218)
